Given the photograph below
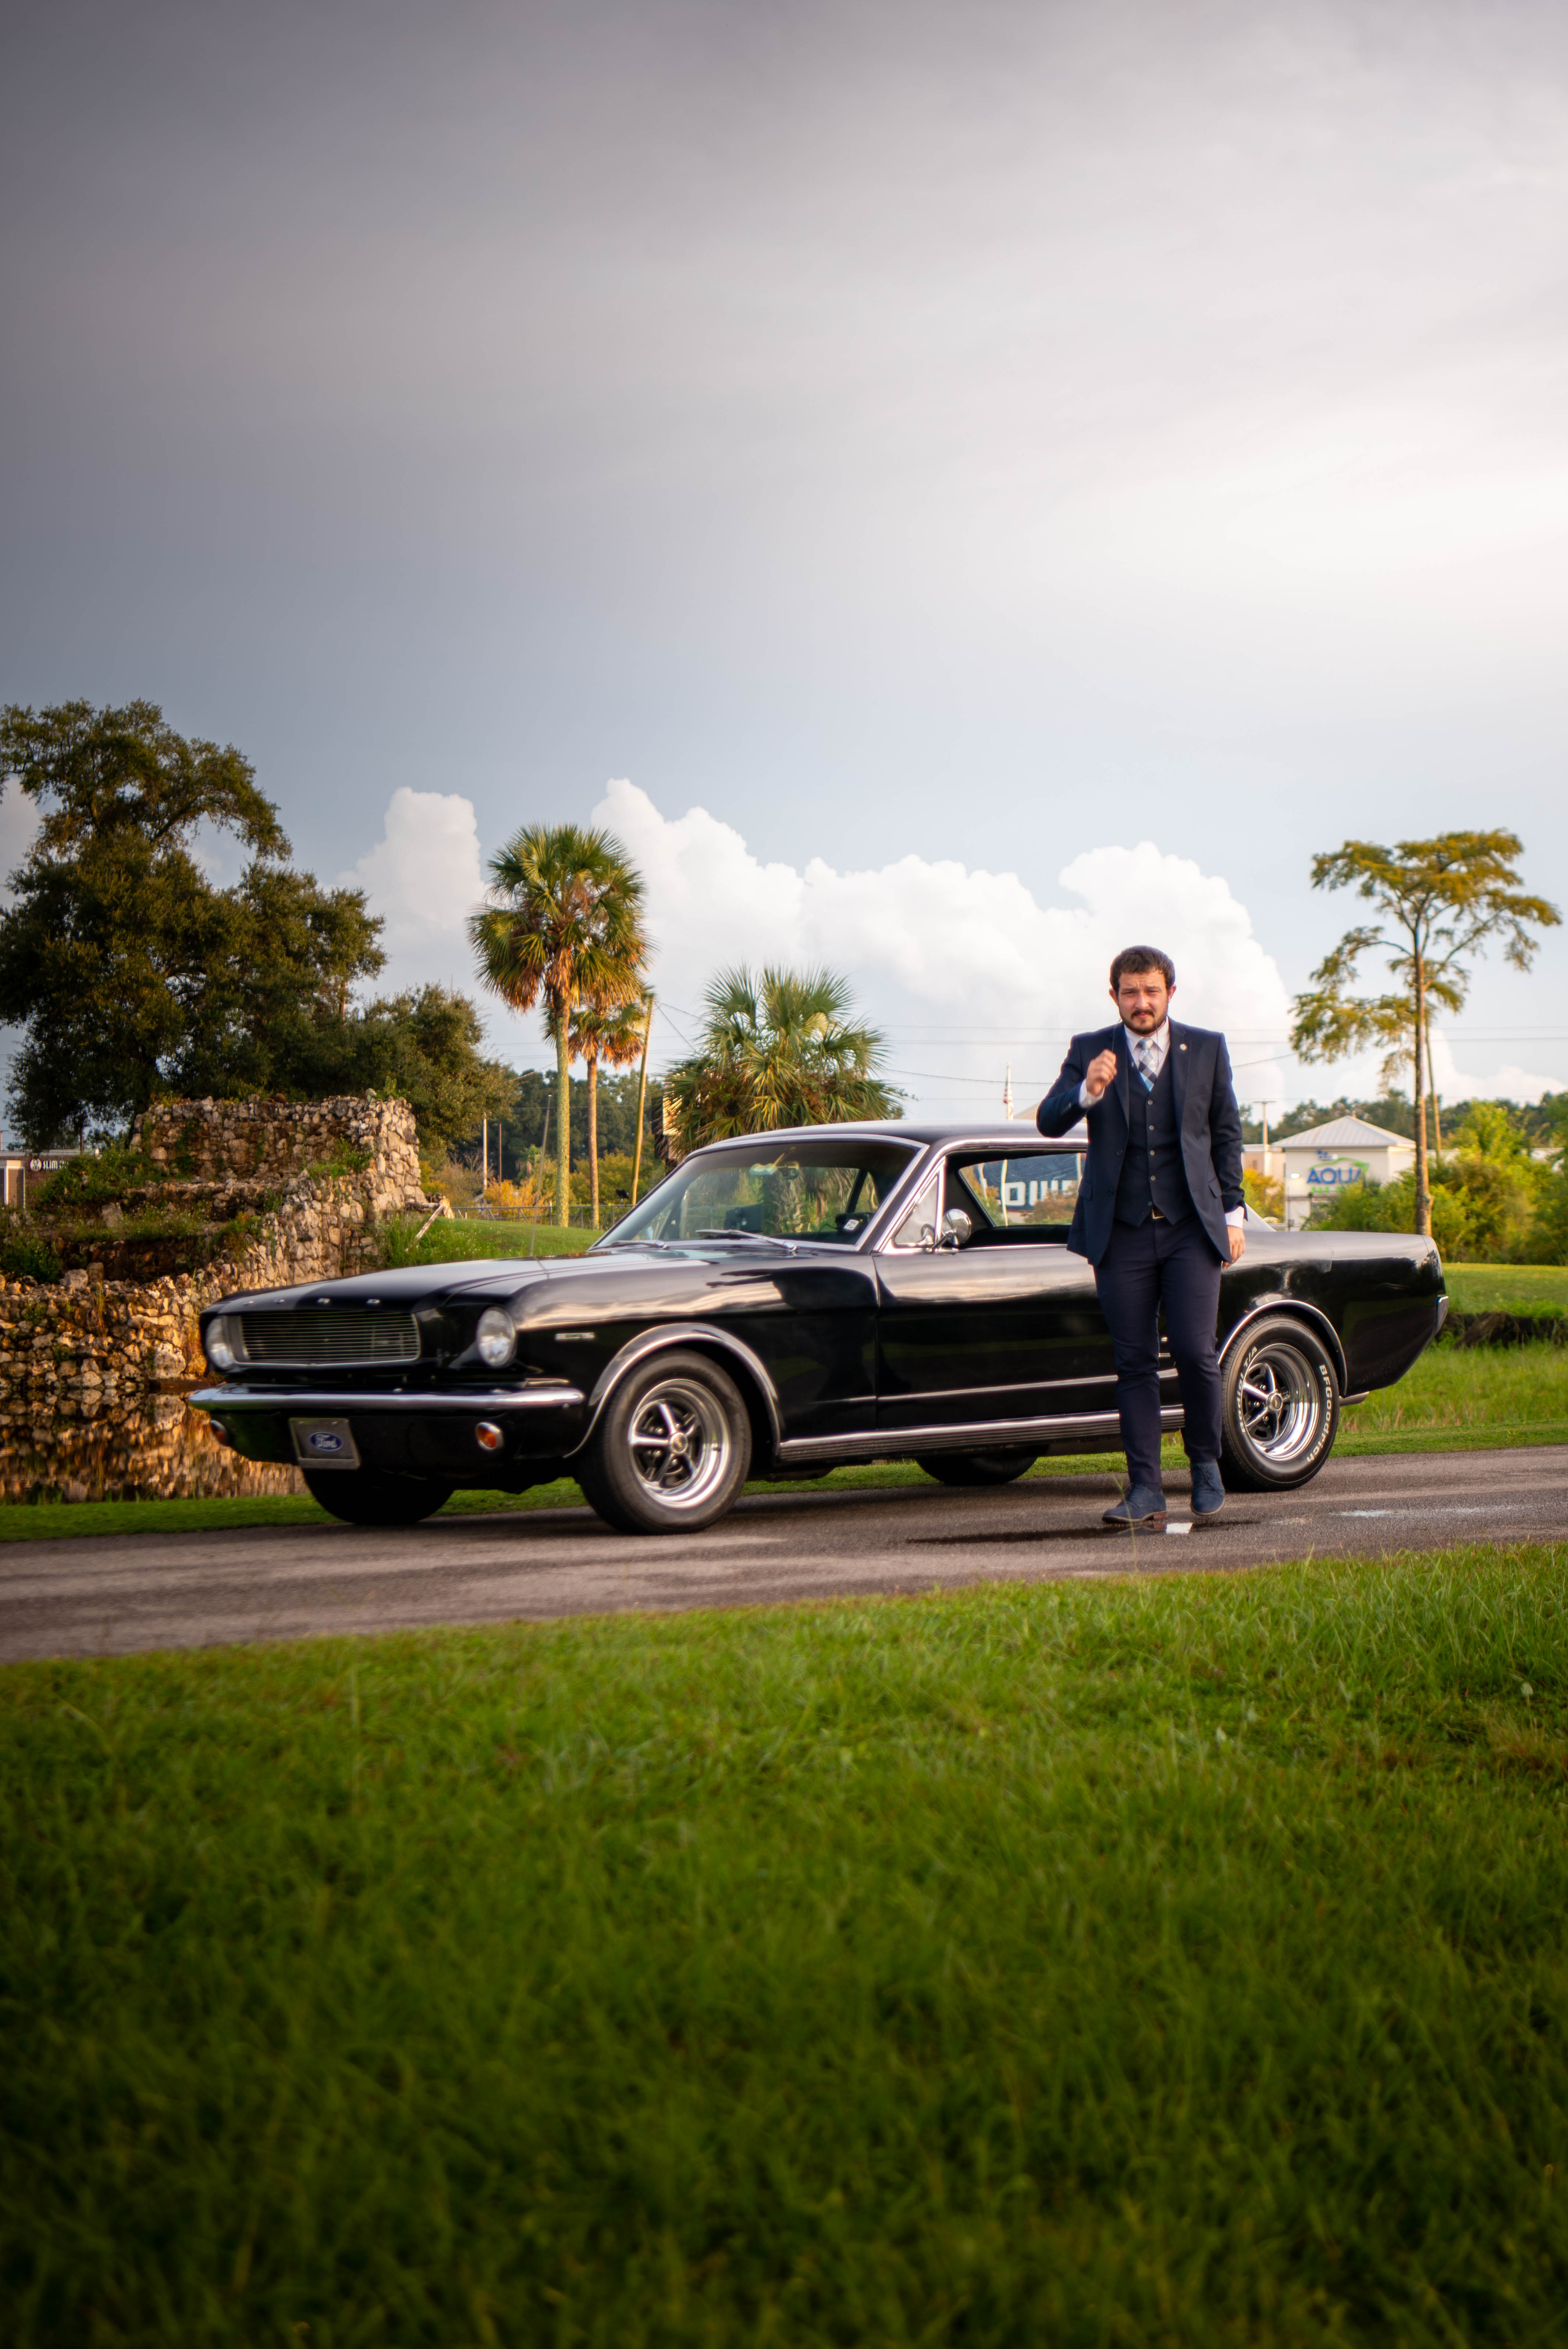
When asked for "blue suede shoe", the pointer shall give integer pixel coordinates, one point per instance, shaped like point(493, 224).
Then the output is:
point(1207, 1491)
point(1144, 1506)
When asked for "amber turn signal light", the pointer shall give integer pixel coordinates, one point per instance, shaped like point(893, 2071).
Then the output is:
point(488, 1436)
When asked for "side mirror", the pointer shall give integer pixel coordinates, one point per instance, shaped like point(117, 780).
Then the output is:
point(956, 1229)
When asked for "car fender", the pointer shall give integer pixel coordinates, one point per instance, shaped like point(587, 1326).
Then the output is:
point(1298, 1311)
point(705, 1339)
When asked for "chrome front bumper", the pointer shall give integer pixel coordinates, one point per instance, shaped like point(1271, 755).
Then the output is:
point(489, 1401)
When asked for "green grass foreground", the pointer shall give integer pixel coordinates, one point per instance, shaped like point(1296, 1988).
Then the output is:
point(1453, 1400)
point(1181, 1960)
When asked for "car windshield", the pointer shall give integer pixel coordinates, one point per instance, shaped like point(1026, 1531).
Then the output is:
point(827, 1190)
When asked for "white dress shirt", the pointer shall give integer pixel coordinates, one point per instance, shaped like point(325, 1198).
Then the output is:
point(1153, 1048)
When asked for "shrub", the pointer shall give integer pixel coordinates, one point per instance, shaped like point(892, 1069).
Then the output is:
point(85, 1183)
point(26, 1255)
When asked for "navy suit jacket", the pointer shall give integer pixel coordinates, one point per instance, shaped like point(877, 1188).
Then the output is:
point(1206, 1114)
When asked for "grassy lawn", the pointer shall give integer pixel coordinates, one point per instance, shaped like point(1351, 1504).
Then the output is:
point(1507, 1288)
point(470, 1238)
point(1454, 1400)
point(1181, 1961)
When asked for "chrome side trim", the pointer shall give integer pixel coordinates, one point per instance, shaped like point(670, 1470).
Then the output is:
point(1303, 1314)
point(659, 1341)
point(1347, 1399)
point(488, 1400)
point(978, 1435)
point(1443, 1303)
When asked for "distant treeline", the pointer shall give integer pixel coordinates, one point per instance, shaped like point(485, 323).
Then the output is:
point(523, 1130)
point(1397, 1114)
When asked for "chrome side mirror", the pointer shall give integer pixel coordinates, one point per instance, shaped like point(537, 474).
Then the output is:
point(956, 1229)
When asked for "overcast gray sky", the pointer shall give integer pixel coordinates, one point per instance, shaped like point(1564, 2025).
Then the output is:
point(931, 440)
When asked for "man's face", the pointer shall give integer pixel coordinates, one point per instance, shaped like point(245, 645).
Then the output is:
point(1143, 999)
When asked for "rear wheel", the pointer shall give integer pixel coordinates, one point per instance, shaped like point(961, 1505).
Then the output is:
point(971, 1468)
point(366, 1497)
point(671, 1449)
point(1279, 1408)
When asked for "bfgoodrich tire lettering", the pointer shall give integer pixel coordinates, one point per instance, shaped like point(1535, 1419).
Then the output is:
point(671, 1448)
point(364, 1496)
point(971, 1468)
point(1278, 1409)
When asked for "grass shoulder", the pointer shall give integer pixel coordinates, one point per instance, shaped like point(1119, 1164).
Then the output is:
point(1507, 1288)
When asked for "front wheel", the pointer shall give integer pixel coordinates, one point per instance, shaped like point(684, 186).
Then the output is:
point(671, 1449)
point(366, 1497)
point(971, 1468)
point(1279, 1408)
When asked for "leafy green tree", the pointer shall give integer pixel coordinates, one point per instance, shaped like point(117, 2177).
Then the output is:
point(1440, 902)
point(779, 1049)
point(130, 972)
point(424, 1047)
point(276, 1015)
point(564, 928)
point(1547, 1241)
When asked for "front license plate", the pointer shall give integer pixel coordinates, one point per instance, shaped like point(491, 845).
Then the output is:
point(323, 1443)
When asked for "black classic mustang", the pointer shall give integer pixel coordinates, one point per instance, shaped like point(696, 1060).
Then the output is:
point(777, 1306)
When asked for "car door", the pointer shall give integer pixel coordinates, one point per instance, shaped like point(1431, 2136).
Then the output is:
point(1006, 1326)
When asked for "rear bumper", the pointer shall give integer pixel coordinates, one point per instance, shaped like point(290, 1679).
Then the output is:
point(407, 1434)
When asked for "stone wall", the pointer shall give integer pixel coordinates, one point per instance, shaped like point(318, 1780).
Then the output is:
point(90, 1338)
point(137, 1447)
point(266, 1141)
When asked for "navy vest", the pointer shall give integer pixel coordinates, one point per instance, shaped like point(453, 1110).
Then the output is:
point(1152, 1172)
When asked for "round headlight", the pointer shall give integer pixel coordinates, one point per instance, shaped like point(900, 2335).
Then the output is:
point(216, 1344)
point(495, 1337)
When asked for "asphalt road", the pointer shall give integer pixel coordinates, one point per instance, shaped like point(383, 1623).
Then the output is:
point(116, 1595)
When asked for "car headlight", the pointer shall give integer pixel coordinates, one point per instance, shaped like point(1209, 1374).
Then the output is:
point(218, 1345)
point(496, 1339)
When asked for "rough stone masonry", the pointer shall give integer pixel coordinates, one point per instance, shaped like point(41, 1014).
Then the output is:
point(86, 1338)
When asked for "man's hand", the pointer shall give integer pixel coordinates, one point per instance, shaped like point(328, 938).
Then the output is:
point(1238, 1243)
point(1100, 1073)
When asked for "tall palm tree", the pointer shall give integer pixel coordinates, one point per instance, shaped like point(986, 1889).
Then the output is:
point(612, 1033)
point(563, 927)
point(779, 1049)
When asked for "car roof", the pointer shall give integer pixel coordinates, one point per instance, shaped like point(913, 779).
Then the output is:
point(982, 1135)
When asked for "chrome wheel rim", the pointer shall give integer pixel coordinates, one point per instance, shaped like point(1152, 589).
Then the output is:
point(1279, 1403)
point(680, 1445)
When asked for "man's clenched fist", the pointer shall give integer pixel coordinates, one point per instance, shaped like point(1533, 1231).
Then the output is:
point(1101, 1072)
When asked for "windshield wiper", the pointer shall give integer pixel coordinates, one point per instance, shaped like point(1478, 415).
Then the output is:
point(772, 1238)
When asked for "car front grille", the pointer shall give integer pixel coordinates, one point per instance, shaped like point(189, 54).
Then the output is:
point(328, 1339)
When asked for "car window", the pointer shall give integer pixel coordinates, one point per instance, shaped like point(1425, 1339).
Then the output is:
point(918, 1228)
point(827, 1190)
point(1036, 1188)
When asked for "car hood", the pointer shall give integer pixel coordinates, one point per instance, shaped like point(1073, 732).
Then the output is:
point(534, 1281)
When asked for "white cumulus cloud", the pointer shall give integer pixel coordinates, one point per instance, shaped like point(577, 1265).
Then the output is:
point(965, 967)
point(423, 878)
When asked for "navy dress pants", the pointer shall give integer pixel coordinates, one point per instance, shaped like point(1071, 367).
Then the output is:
point(1147, 1266)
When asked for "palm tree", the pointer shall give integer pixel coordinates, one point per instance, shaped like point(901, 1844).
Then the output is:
point(612, 1033)
point(777, 1049)
point(564, 926)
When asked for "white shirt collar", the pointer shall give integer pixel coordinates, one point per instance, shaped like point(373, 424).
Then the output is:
point(1158, 1036)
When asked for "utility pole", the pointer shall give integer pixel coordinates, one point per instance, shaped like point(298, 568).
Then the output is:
point(642, 1099)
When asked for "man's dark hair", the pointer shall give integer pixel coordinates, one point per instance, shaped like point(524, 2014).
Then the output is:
point(1137, 959)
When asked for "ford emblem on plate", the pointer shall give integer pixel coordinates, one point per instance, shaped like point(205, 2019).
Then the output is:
point(323, 1443)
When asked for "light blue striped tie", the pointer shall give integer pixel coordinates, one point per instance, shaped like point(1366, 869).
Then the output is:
point(1143, 1053)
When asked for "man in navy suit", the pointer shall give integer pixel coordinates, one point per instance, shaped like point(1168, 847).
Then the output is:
point(1159, 1213)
